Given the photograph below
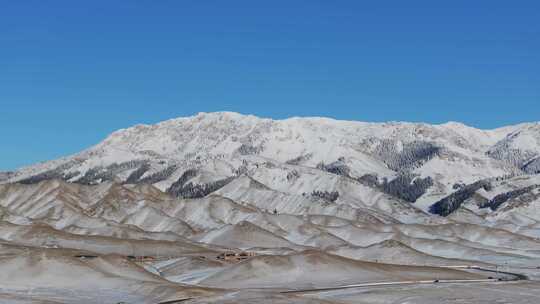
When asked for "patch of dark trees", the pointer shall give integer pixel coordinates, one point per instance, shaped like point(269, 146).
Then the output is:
point(370, 180)
point(406, 186)
point(504, 151)
point(412, 155)
point(502, 198)
point(328, 196)
point(136, 175)
point(292, 175)
point(338, 167)
point(182, 189)
point(249, 150)
point(182, 180)
point(56, 173)
point(452, 202)
point(532, 167)
point(158, 176)
point(101, 174)
point(299, 159)
point(243, 169)
point(458, 186)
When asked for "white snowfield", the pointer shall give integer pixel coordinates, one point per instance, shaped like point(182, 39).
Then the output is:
point(349, 210)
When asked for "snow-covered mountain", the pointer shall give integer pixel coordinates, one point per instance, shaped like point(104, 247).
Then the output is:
point(193, 156)
point(349, 200)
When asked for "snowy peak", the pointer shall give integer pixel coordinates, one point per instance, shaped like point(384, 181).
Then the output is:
point(194, 156)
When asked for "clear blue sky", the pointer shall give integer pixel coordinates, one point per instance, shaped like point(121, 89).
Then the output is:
point(73, 71)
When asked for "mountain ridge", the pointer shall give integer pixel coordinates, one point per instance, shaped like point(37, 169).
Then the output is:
point(451, 124)
point(194, 156)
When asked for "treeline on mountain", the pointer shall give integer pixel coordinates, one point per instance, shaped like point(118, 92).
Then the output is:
point(177, 186)
point(158, 176)
point(136, 175)
point(532, 167)
point(503, 151)
point(411, 155)
point(406, 186)
point(452, 202)
point(182, 189)
point(338, 167)
point(56, 173)
point(191, 190)
point(502, 198)
point(101, 174)
point(299, 159)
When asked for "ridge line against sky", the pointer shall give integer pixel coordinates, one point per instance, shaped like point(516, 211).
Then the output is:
point(72, 73)
point(258, 117)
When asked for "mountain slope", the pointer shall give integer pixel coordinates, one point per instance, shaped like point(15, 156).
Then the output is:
point(303, 196)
